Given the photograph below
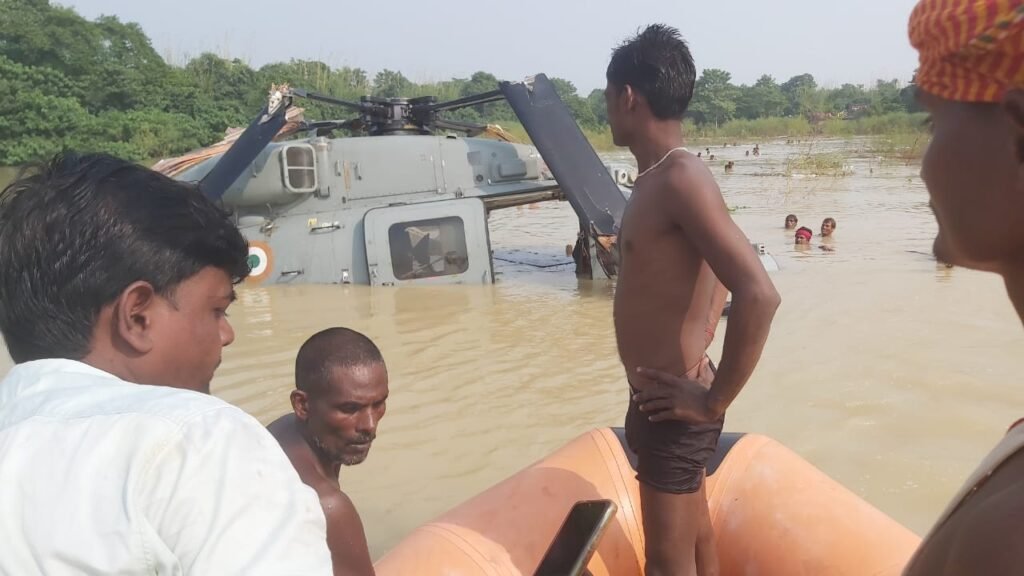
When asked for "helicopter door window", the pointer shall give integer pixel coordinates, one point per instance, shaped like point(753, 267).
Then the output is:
point(428, 248)
point(299, 167)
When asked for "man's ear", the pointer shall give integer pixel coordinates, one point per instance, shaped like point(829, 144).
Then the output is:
point(1013, 104)
point(300, 404)
point(629, 98)
point(134, 314)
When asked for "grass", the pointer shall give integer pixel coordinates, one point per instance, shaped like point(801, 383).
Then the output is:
point(822, 164)
point(600, 139)
point(7, 175)
point(799, 127)
point(903, 147)
point(904, 134)
point(899, 136)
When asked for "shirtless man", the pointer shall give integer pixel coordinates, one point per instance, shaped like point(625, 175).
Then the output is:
point(340, 396)
point(971, 81)
point(677, 240)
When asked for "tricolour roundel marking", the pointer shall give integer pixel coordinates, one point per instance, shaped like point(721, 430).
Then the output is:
point(261, 261)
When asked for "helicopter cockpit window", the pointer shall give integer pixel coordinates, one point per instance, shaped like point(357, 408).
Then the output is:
point(299, 168)
point(428, 248)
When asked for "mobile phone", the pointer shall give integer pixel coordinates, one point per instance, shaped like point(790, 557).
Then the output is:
point(576, 541)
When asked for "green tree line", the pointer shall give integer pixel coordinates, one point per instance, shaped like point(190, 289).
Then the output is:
point(68, 82)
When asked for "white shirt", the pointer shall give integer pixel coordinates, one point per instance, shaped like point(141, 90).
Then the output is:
point(103, 476)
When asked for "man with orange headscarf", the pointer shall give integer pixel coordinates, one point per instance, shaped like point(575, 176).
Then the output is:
point(971, 80)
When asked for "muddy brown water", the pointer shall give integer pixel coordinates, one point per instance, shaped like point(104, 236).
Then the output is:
point(890, 372)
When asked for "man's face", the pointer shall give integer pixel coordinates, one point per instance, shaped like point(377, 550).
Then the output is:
point(790, 222)
point(826, 228)
point(617, 106)
point(972, 169)
point(342, 419)
point(189, 329)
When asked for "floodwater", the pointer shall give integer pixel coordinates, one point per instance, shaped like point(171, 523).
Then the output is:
point(890, 372)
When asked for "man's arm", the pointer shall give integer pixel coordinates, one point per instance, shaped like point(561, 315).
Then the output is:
point(224, 499)
point(696, 206)
point(345, 537)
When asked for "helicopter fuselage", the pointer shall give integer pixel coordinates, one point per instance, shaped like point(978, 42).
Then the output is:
point(383, 210)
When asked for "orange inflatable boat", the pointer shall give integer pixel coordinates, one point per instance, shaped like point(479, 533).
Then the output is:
point(774, 514)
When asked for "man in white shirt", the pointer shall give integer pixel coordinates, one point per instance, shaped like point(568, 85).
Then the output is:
point(114, 458)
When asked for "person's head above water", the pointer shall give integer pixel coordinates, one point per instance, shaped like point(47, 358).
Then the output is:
point(828, 225)
point(117, 266)
point(650, 81)
point(791, 221)
point(971, 81)
point(804, 235)
point(341, 394)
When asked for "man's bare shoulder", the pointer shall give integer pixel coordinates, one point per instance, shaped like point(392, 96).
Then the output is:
point(345, 535)
point(690, 191)
point(338, 507)
point(281, 426)
point(688, 173)
point(285, 431)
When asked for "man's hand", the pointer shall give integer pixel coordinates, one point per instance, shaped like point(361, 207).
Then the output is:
point(674, 398)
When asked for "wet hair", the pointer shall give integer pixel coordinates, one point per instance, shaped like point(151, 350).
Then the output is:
point(657, 64)
point(74, 233)
point(793, 216)
point(831, 221)
point(329, 349)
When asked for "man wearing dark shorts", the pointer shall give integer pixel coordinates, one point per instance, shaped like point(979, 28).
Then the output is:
point(674, 452)
point(677, 240)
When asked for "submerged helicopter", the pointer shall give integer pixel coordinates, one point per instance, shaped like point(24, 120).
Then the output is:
point(407, 200)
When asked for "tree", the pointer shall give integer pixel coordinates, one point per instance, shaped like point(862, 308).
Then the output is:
point(846, 97)
point(579, 107)
point(479, 83)
point(391, 84)
point(99, 85)
point(886, 98)
point(762, 100)
point(598, 107)
point(714, 98)
point(799, 92)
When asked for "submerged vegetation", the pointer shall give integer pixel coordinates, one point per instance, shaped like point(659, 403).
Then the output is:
point(902, 147)
point(100, 85)
point(820, 164)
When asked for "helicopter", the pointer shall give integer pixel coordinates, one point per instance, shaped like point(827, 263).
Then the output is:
point(406, 199)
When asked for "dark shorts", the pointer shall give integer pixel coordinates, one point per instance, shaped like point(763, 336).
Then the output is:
point(671, 455)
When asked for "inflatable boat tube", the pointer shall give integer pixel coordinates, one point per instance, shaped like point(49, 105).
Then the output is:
point(774, 514)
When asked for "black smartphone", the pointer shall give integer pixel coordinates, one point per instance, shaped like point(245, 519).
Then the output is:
point(576, 540)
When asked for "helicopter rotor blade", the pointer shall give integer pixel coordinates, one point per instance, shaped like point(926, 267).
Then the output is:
point(328, 125)
point(587, 184)
point(475, 100)
point(326, 99)
point(249, 145)
point(471, 129)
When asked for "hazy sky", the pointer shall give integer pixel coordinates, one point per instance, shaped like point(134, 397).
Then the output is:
point(835, 40)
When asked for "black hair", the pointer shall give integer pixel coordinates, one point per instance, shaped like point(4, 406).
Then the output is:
point(831, 221)
point(657, 64)
point(77, 231)
point(329, 349)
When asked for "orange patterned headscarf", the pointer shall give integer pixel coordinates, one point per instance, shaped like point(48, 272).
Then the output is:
point(971, 50)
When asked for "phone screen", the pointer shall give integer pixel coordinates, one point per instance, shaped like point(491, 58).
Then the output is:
point(577, 539)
